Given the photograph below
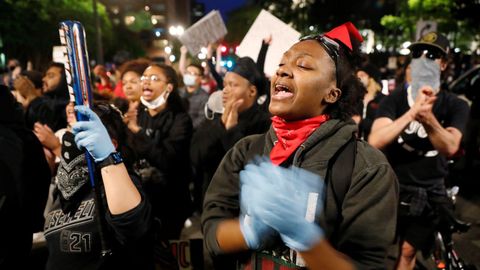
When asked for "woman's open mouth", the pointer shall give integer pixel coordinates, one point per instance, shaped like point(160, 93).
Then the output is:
point(282, 92)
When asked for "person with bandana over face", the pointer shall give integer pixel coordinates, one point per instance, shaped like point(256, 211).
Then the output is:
point(278, 212)
point(418, 129)
point(162, 131)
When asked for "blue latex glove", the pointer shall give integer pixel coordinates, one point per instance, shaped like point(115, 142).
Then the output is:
point(255, 232)
point(92, 135)
point(288, 201)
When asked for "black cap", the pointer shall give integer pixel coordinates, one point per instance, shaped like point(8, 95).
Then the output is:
point(34, 76)
point(432, 40)
point(247, 68)
point(372, 71)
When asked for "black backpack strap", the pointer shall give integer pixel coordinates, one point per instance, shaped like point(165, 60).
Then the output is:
point(340, 169)
point(339, 174)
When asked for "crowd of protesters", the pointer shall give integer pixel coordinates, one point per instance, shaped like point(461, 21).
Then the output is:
point(317, 166)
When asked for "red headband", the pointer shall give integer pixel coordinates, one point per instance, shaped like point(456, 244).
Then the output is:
point(343, 33)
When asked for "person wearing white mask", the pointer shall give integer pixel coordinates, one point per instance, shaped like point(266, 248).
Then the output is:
point(193, 95)
point(163, 131)
point(418, 129)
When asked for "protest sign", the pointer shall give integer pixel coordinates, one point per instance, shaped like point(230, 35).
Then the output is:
point(283, 37)
point(207, 30)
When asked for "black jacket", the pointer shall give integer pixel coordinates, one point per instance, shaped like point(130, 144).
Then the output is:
point(211, 141)
point(164, 142)
point(24, 182)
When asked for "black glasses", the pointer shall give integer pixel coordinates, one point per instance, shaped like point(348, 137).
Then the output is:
point(331, 47)
point(429, 53)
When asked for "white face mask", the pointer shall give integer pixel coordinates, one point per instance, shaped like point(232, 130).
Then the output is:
point(162, 99)
point(424, 72)
point(214, 105)
point(189, 79)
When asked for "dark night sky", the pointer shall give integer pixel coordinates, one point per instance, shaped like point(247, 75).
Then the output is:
point(224, 6)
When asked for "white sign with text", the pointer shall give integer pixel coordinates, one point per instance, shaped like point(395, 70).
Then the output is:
point(283, 37)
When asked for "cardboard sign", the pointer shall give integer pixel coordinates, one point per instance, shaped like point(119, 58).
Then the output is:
point(207, 30)
point(283, 37)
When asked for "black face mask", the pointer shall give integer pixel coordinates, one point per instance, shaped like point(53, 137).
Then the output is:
point(11, 68)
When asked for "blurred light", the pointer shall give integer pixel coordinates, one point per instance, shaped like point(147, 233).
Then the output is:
point(204, 64)
point(180, 30)
point(176, 30)
point(203, 50)
point(311, 28)
point(202, 56)
point(157, 33)
point(172, 58)
point(147, 8)
point(229, 63)
point(223, 63)
point(223, 48)
point(157, 19)
point(406, 44)
point(129, 20)
point(115, 10)
point(168, 50)
point(404, 51)
point(214, 59)
point(379, 47)
point(457, 50)
point(236, 49)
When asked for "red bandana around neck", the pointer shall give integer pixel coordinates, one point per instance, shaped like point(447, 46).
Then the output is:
point(291, 135)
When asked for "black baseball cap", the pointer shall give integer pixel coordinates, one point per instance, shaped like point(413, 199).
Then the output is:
point(432, 40)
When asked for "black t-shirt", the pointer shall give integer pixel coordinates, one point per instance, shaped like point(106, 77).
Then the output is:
point(412, 155)
point(74, 242)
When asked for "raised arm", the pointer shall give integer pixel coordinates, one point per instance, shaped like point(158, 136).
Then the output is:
point(122, 195)
point(182, 63)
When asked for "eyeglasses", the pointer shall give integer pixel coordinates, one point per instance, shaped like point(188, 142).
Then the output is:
point(430, 54)
point(151, 78)
point(331, 47)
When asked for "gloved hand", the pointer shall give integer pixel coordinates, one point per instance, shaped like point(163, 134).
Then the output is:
point(288, 201)
point(255, 232)
point(92, 135)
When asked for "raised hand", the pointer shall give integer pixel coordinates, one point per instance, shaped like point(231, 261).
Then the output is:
point(183, 50)
point(230, 115)
point(130, 117)
point(46, 136)
point(92, 135)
